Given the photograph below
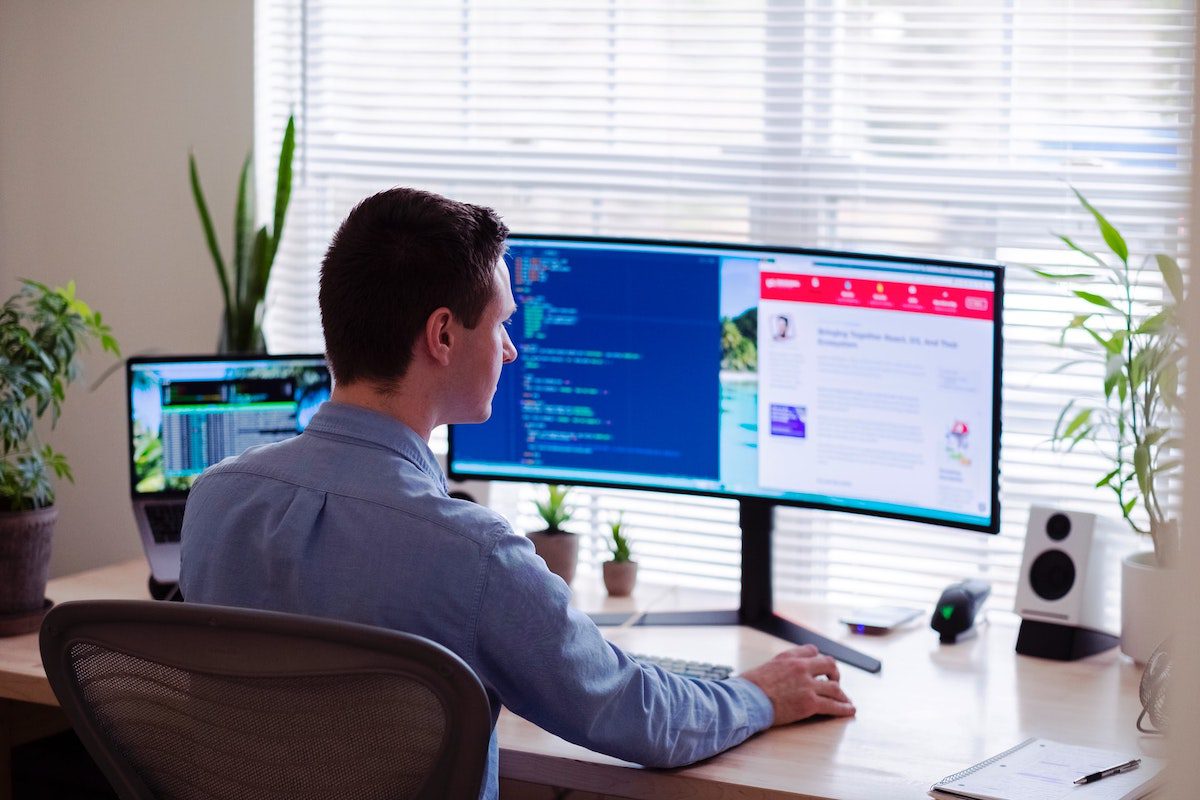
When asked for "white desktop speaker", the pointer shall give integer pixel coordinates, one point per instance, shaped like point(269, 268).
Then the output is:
point(475, 491)
point(1062, 585)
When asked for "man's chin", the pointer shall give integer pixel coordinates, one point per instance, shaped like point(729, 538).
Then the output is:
point(483, 415)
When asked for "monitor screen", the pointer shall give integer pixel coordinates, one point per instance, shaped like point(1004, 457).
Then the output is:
point(186, 413)
point(832, 380)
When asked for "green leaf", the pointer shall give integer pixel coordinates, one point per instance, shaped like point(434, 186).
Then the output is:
point(553, 510)
point(1104, 481)
point(1153, 435)
point(261, 261)
point(1172, 276)
point(1141, 467)
point(1137, 369)
point(1061, 416)
point(210, 235)
point(1087, 253)
point(1076, 322)
point(283, 186)
point(1153, 323)
point(1079, 436)
point(1168, 384)
point(1112, 238)
point(1127, 509)
point(1081, 418)
point(243, 232)
point(1064, 276)
point(1095, 299)
point(1112, 346)
point(1168, 465)
point(1110, 383)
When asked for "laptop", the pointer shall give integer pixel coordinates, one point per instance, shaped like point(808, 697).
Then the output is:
point(186, 413)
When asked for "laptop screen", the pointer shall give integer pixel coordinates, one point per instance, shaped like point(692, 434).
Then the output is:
point(186, 413)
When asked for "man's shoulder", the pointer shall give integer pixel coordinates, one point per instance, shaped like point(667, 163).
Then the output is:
point(392, 488)
point(471, 519)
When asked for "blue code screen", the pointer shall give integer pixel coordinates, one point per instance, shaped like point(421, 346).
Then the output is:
point(607, 377)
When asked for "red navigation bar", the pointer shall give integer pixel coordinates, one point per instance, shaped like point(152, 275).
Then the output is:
point(946, 301)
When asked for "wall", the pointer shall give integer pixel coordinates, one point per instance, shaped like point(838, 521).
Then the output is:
point(99, 103)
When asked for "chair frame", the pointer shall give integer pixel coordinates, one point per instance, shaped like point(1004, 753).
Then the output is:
point(231, 641)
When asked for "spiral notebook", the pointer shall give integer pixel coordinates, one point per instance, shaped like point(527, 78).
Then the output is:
point(1039, 769)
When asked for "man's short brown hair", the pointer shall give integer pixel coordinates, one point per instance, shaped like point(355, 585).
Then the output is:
point(399, 256)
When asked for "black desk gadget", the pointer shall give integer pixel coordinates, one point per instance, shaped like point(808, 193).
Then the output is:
point(956, 610)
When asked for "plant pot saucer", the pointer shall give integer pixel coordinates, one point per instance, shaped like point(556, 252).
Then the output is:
point(21, 622)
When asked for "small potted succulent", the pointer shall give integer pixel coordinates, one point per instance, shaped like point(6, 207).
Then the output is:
point(557, 547)
point(620, 573)
point(40, 331)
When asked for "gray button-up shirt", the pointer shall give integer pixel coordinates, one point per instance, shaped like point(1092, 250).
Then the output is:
point(351, 520)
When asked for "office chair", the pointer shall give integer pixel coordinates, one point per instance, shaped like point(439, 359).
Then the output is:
point(179, 701)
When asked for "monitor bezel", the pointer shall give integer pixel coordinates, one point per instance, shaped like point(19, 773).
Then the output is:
point(996, 269)
point(132, 361)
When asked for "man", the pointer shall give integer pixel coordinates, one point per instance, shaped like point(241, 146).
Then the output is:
point(783, 327)
point(351, 519)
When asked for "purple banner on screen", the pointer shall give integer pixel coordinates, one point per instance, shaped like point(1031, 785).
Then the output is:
point(787, 420)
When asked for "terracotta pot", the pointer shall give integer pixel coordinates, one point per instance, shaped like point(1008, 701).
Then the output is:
point(1146, 590)
point(25, 538)
point(619, 577)
point(560, 551)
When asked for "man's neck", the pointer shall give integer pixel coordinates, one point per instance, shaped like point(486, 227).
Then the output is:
point(401, 404)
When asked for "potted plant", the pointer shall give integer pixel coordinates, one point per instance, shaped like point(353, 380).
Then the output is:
point(557, 547)
point(41, 330)
point(1137, 340)
point(620, 573)
point(245, 290)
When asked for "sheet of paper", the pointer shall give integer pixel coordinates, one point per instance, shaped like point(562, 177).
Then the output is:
point(1046, 770)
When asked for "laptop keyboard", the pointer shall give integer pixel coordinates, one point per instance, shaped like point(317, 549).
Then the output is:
point(689, 669)
point(166, 521)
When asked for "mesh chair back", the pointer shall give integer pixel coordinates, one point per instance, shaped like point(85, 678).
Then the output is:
point(190, 702)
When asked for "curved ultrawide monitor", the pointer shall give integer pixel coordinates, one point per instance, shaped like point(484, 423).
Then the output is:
point(831, 380)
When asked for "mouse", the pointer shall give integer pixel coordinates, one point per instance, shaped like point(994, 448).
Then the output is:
point(954, 615)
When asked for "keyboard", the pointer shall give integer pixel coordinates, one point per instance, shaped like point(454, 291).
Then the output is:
point(689, 669)
point(166, 521)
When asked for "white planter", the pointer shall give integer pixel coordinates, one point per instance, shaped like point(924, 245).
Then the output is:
point(1145, 605)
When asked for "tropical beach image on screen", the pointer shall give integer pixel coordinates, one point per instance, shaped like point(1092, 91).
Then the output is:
point(739, 369)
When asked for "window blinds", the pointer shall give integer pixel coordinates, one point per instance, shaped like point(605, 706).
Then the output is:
point(937, 128)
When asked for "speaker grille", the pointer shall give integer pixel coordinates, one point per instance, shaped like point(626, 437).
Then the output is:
point(1052, 575)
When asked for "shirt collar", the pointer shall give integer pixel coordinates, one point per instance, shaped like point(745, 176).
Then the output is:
point(356, 422)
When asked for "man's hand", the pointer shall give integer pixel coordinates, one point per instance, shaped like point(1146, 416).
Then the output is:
point(800, 683)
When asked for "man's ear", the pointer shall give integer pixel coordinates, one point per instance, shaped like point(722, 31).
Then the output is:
point(439, 335)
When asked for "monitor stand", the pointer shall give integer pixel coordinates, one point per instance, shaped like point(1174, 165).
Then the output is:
point(756, 518)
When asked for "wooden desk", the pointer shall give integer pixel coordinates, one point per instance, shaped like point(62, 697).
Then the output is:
point(28, 709)
point(932, 710)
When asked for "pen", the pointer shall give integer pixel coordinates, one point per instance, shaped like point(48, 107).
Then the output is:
point(1104, 773)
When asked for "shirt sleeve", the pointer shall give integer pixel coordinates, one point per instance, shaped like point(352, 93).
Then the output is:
point(550, 664)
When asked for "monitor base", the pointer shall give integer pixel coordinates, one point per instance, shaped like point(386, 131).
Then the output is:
point(772, 624)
